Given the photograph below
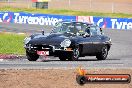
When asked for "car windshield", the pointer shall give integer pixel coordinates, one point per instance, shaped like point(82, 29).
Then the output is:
point(61, 27)
point(68, 27)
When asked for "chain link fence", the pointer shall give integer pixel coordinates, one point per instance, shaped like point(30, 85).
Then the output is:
point(93, 5)
point(16, 3)
point(110, 6)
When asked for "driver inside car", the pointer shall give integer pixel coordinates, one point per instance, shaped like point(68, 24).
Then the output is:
point(72, 29)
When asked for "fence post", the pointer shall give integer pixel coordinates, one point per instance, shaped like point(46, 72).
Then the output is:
point(69, 2)
point(8, 2)
point(28, 4)
point(112, 7)
point(90, 4)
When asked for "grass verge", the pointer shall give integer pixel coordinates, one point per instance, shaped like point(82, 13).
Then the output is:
point(66, 12)
point(11, 44)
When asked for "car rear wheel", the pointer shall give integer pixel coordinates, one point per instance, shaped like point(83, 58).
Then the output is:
point(31, 56)
point(74, 55)
point(103, 54)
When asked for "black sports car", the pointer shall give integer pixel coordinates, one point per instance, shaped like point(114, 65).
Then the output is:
point(69, 41)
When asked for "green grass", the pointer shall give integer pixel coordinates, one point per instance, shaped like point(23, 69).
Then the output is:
point(11, 44)
point(66, 12)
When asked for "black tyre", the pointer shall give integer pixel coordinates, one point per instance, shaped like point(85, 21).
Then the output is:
point(103, 54)
point(81, 80)
point(31, 56)
point(74, 55)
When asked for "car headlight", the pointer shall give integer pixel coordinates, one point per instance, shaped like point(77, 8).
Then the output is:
point(65, 43)
point(27, 39)
point(110, 39)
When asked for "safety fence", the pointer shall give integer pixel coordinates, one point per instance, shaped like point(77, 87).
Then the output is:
point(107, 6)
point(49, 19)
point(110, 6)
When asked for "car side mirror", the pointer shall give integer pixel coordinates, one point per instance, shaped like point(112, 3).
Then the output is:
point(42, 32)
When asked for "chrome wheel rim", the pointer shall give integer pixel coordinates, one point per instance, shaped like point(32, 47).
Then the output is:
point(104, 51)
point(76, 53)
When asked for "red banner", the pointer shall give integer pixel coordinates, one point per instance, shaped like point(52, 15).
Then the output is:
point(34, 0)
point(40, 0)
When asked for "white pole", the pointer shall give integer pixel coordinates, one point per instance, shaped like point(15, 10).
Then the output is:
point(28, 4)
point(112, 7)
point(8, 3)
point(69, 2)
point(90, 4)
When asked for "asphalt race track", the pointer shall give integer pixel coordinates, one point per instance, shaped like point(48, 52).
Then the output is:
point(120, 55)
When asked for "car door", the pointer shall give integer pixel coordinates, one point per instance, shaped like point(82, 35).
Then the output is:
point(86, 42)
point(96, 38)
point(87, 46)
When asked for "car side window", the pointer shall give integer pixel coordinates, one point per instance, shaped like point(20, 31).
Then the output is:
point(98, 30)
point(94, 30)
point(85, 28)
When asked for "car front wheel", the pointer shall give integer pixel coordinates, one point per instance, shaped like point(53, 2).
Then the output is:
point(103, 54)
point(31, 57)
point(74, 55)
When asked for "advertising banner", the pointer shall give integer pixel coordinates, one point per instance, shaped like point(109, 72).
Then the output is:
point(49, 19)
point(28, 18)
point(40, 0)
point(106, 22)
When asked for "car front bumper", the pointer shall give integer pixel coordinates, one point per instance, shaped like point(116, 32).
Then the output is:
point(53, 51)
